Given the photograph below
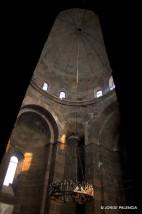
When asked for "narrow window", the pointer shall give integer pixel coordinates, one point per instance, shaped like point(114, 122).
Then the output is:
point(11, 171)
point(99, 93)
point(62, 95)
point(45, 86)
point(111, 84)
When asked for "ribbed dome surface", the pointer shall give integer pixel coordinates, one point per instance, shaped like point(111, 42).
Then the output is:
point(74, 59)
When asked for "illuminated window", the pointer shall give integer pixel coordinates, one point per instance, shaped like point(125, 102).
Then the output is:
point(11, 171)
point(62, 95)
point(45, 86)
point(27, 161)
point(111, 84)
point(99, 93)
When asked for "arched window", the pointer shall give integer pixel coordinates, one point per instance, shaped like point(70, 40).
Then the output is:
point(11, 171)
point(45, 86)
point(99, 93)
point(111, 83)
point(62, 95)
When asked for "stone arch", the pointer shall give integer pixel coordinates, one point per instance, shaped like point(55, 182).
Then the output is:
point(46, 115)
point(109, 165)
point(106, 116)
point(95, 126)
point(34, 134)
point(94, 153)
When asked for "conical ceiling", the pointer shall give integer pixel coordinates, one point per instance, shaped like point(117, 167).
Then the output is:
point(74, 59)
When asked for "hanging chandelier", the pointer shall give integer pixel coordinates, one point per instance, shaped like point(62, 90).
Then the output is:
point(78, 189)
point(69, 190)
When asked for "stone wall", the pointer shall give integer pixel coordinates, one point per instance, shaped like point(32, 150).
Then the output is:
point(97, 122)
point(45, 123)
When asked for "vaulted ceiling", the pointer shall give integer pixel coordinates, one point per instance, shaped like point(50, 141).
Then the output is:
point(74, 58)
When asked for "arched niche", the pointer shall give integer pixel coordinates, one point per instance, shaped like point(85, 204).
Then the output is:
point(109, 128)
point(31, 131)
point(34, 132)
point(110, 170)
point(47, 117)
point(103, 157)
point(96, 123)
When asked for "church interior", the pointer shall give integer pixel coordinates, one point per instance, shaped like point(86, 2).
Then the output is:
point(67, 148)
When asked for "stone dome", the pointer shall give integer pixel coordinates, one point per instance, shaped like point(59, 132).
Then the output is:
point(74, 58)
